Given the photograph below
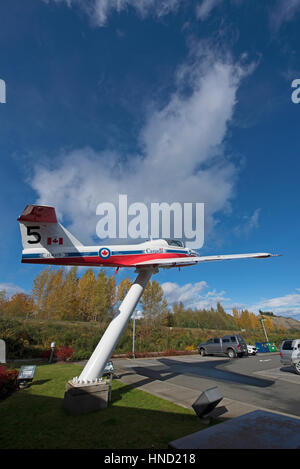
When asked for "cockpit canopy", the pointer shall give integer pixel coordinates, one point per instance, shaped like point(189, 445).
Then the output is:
point(175, 242)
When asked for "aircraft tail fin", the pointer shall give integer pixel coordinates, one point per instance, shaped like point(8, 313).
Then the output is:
point(40, 229)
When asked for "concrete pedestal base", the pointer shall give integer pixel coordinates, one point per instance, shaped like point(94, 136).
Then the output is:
point(82, 399)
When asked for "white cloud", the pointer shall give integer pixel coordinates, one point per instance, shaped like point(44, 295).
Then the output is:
point(195, 295)
point(198, 295)
point(287, 305)
point(182, 159)
point(204, 9)
point(283, 11)
point(186, 293)
point(99, 10)
point(249, 224)
point(11, 289)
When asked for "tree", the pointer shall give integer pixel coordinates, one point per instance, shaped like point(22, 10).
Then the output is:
point(123, 288)
point(178, 308)
point(153, 300)
point(168, 319)
point(236, 317)
point(3, 301)
point(111, 293)
point(269, 326)
point(101, 304)
point(254, 321)
point(69, 292)
point(245, 320)
point(2, 297)
point(20, 306)
point(220, 308)
point(86, 295)
point(40, 291)
point(54, 301)
point(266, 313)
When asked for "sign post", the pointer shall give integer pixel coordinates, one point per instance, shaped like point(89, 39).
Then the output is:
point(2, 351)
point(26, 375)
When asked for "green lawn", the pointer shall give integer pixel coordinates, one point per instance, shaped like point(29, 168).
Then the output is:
point(34, 417)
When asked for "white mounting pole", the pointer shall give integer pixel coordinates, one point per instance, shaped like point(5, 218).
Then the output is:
point(94, 368)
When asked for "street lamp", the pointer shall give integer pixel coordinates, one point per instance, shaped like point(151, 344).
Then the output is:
point(53, 345)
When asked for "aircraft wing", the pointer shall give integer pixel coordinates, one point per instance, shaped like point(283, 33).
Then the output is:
point(184, 261)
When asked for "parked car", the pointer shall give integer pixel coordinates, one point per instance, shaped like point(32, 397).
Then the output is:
point(109, 368)
point(230, 345)
point(290, 353)
point(252, 350)
point(296, 365)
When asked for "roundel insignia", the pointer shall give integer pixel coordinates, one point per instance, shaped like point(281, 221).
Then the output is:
point(104, 253)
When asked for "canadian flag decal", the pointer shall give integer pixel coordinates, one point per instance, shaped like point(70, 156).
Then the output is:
point(55, 241)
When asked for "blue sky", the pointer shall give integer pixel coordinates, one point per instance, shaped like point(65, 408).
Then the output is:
point(172, 100)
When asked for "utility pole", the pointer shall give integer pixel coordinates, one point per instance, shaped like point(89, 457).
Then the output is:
point(262, 320)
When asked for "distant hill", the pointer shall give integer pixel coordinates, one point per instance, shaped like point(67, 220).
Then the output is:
point(287, 323)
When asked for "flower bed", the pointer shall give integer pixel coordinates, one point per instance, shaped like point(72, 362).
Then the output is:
point(8, 381)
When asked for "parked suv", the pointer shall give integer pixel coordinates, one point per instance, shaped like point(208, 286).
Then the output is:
point(230, 345)
point(290, 353)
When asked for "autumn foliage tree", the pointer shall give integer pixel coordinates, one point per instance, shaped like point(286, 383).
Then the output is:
point(123, 289)
point(250, 321)
point(19, 306)
point(153, 301)
point(62, 294)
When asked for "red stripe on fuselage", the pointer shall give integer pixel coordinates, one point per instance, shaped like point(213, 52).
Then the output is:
point(113, 261)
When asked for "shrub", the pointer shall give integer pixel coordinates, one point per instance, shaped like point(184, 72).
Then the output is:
point(189, 348)
point(64, 353)
point(45, 354)
point(8, 381)
point(81, 354)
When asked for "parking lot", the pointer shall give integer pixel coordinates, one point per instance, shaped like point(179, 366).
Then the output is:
point(249, 383)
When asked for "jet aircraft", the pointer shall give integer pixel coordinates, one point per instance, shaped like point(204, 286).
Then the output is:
point(45, 241)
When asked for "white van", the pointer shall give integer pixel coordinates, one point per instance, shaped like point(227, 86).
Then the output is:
point(290, 353)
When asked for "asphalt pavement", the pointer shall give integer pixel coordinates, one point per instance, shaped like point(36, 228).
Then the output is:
point(247, 384)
